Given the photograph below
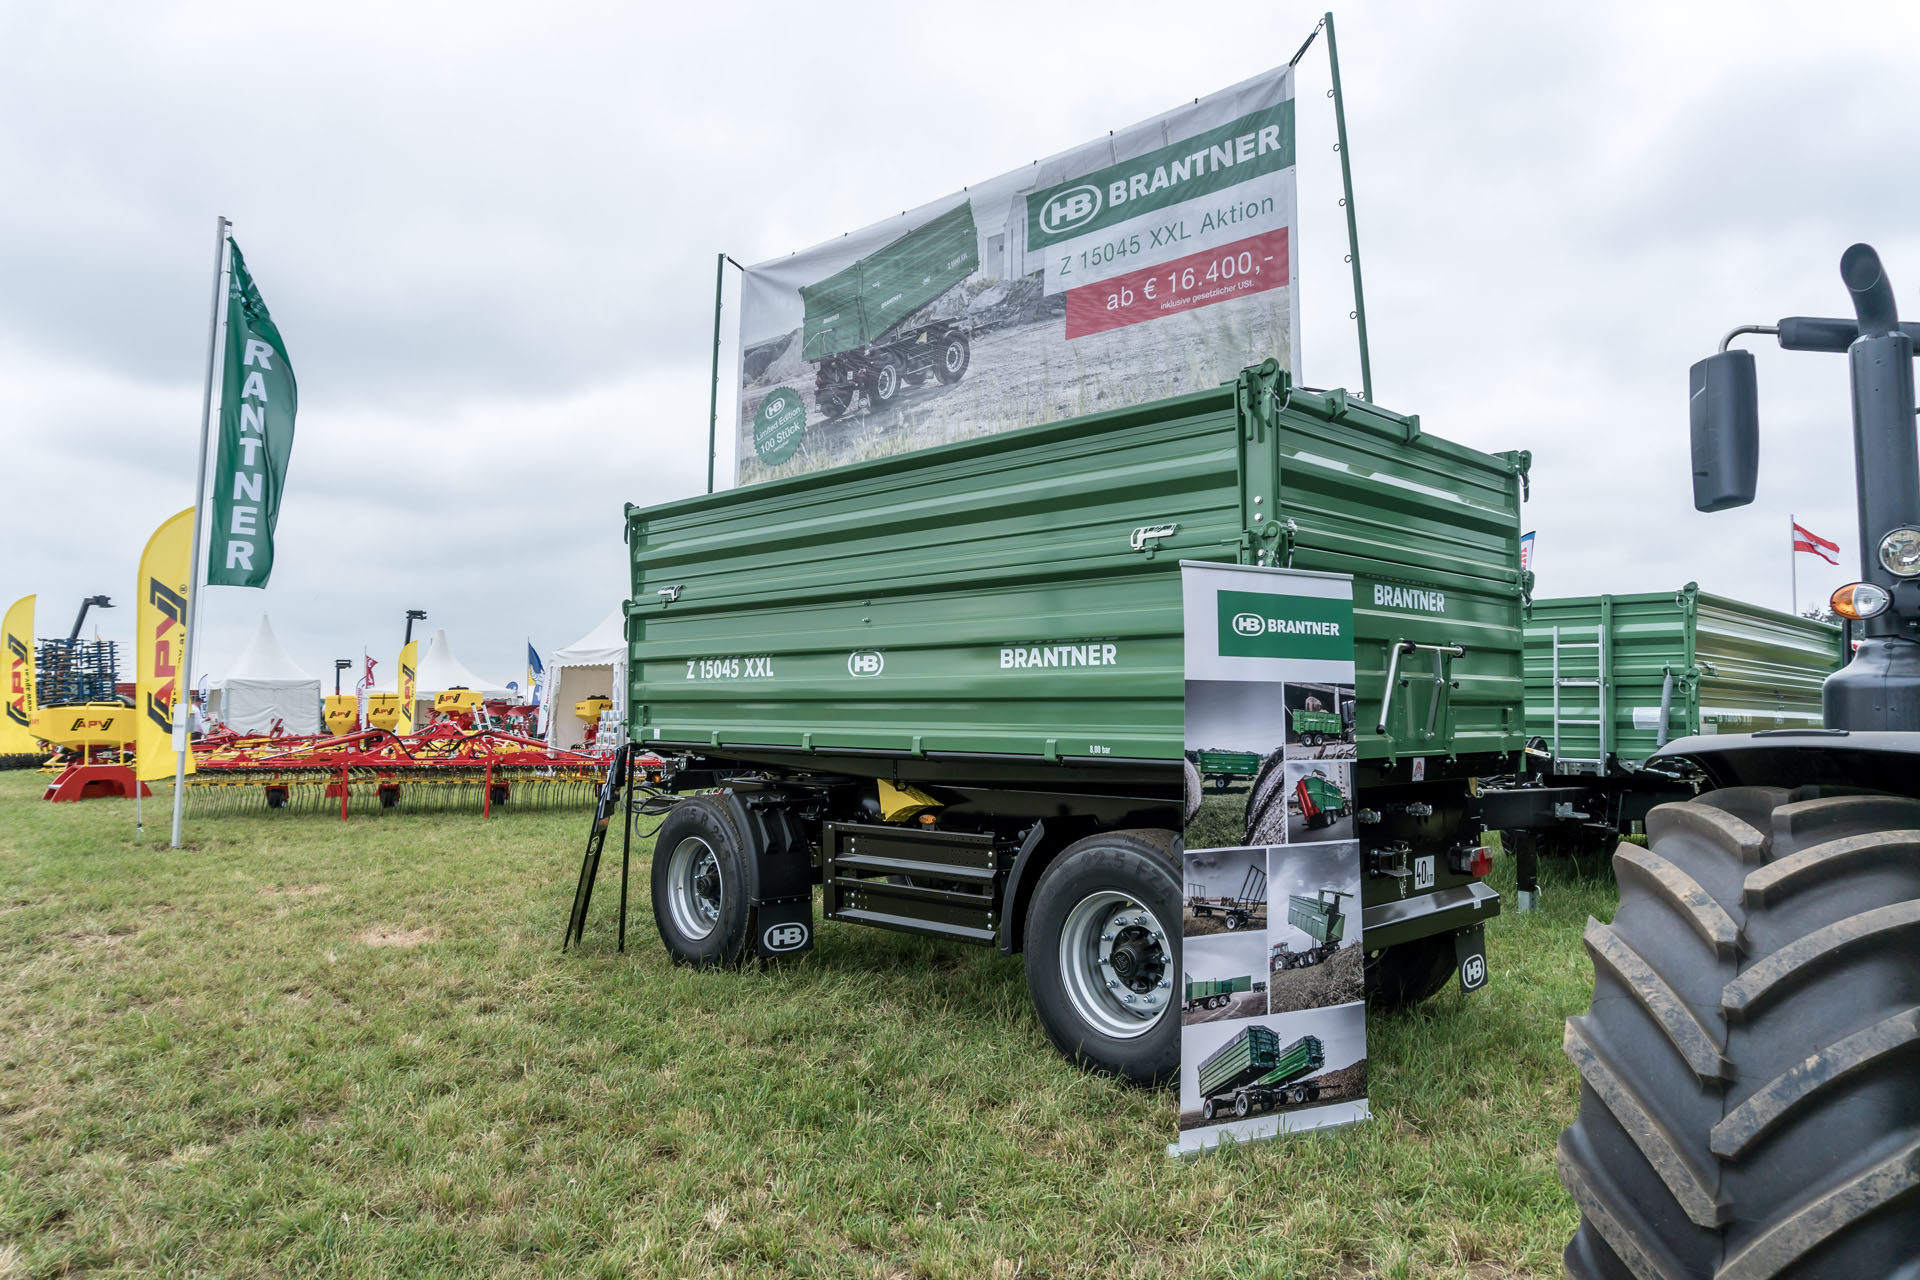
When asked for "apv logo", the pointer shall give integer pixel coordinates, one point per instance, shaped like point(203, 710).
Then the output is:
point(785, 937)
point(1074, 207)
point(1249, 624)
point(866, 662)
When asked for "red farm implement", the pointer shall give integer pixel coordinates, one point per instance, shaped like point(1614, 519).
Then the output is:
point(443, 767)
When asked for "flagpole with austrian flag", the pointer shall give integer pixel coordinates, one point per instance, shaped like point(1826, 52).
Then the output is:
point(1812, 544)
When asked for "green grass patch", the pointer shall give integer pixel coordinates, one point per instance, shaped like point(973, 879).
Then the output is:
point(307, 1047)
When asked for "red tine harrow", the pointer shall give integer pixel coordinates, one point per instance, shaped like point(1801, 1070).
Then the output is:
point(442, 768)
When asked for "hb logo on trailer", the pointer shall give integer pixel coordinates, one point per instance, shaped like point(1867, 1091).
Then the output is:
point(790, 936)
point(1249, 624)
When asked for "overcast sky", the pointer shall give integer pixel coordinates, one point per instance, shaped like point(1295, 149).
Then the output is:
point(487, 234)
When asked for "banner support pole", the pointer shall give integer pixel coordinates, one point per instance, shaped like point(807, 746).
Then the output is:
point(713, 385)
point(1353, 228)
point(196, 577)
point(1793, 561)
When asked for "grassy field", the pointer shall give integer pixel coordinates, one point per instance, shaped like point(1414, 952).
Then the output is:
point(302, 1047)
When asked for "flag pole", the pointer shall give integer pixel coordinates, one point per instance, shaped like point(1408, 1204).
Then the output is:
point(196, 575)
point(1793, 559)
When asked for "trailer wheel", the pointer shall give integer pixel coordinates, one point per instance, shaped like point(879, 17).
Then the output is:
point(1241, 1105)
point(1100, 957)
point(885, 382)
point(1749, 1103)
point(700, 884)
point(1206, 1110)
point(955, 354)
point(1235, 920)
point(1405, 974)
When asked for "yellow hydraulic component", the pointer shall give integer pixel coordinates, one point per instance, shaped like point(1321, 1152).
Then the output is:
point(449, 701)
point(383, 710)
point(342, 713)
point(84, 725)
point(589, 709)
point(898, 802)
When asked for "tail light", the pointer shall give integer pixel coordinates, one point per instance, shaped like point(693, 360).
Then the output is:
point(1471, 860)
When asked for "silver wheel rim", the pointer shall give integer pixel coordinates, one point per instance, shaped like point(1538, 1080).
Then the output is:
point(694, 887)
point(1116, 963)
point(885, 382)
point(955, 354)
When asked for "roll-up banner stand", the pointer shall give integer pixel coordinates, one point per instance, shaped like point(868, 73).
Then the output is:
point(1155, 261)
point(1273, 1031)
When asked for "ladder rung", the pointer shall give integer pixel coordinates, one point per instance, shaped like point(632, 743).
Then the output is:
point(1573, 682)
point(1584, 722)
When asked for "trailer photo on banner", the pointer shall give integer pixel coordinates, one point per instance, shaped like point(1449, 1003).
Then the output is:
point(1273, 1028)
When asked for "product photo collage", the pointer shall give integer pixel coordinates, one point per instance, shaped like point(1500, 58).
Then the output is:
point(1273, 1022)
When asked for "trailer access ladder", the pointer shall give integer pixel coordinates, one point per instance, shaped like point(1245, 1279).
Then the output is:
point(1597, 652)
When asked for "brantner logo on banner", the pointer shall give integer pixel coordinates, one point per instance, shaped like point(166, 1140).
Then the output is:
point(1154, 261)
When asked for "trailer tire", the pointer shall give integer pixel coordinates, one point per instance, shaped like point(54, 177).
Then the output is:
point(1403, 975)
point(956, 353)
point(1241, 1104)
point(1749, 1101)
point(884, 383)
point(1206, 1110)
point(700, 884)
point(1117, 877)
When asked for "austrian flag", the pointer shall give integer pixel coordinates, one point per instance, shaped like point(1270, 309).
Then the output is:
point(1815, 544)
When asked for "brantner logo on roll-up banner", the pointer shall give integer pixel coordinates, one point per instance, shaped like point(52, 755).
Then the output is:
point(1154, 261)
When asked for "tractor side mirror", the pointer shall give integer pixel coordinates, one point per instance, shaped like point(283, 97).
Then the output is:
point(1725, 419)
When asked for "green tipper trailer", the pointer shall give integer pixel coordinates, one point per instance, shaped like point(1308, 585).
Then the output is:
point(948, 687)
point(1322, 920)
point(1316, 727)
point(1224, 768)
point(1216, 992)
point(1320, 800)
point(1251, 1072)
point(857, 325)
point(1612, 678)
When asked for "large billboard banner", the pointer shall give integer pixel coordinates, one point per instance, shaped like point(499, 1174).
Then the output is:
point(1156, 261)
point(1273, 1022)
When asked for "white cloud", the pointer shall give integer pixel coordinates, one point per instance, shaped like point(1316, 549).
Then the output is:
point(487, 232)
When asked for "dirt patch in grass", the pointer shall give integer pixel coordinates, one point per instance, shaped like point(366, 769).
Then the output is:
point(385, 936)
point(1335, 980)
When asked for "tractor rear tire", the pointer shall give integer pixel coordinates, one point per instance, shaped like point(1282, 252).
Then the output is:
point(1750, 1064)
point(1091, 882)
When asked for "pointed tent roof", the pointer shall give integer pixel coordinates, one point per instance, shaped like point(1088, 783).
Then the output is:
point(266, 662)
point(440, 671)
point(605, 645)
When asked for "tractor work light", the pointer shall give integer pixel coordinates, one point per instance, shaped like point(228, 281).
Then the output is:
point(1900, 552)
point(1860, 600)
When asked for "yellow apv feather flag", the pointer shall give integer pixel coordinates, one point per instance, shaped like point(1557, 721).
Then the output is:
point(409, 678)
point(161, 638)
point(16, 660)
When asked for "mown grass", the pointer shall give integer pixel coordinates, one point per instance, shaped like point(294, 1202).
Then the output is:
point(303, 1047)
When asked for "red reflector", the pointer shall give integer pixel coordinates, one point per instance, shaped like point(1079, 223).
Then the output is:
point(1481, 862)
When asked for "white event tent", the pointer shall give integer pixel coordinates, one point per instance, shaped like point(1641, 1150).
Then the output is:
point(595, 665)
point(440, 671)
point(263, 685)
